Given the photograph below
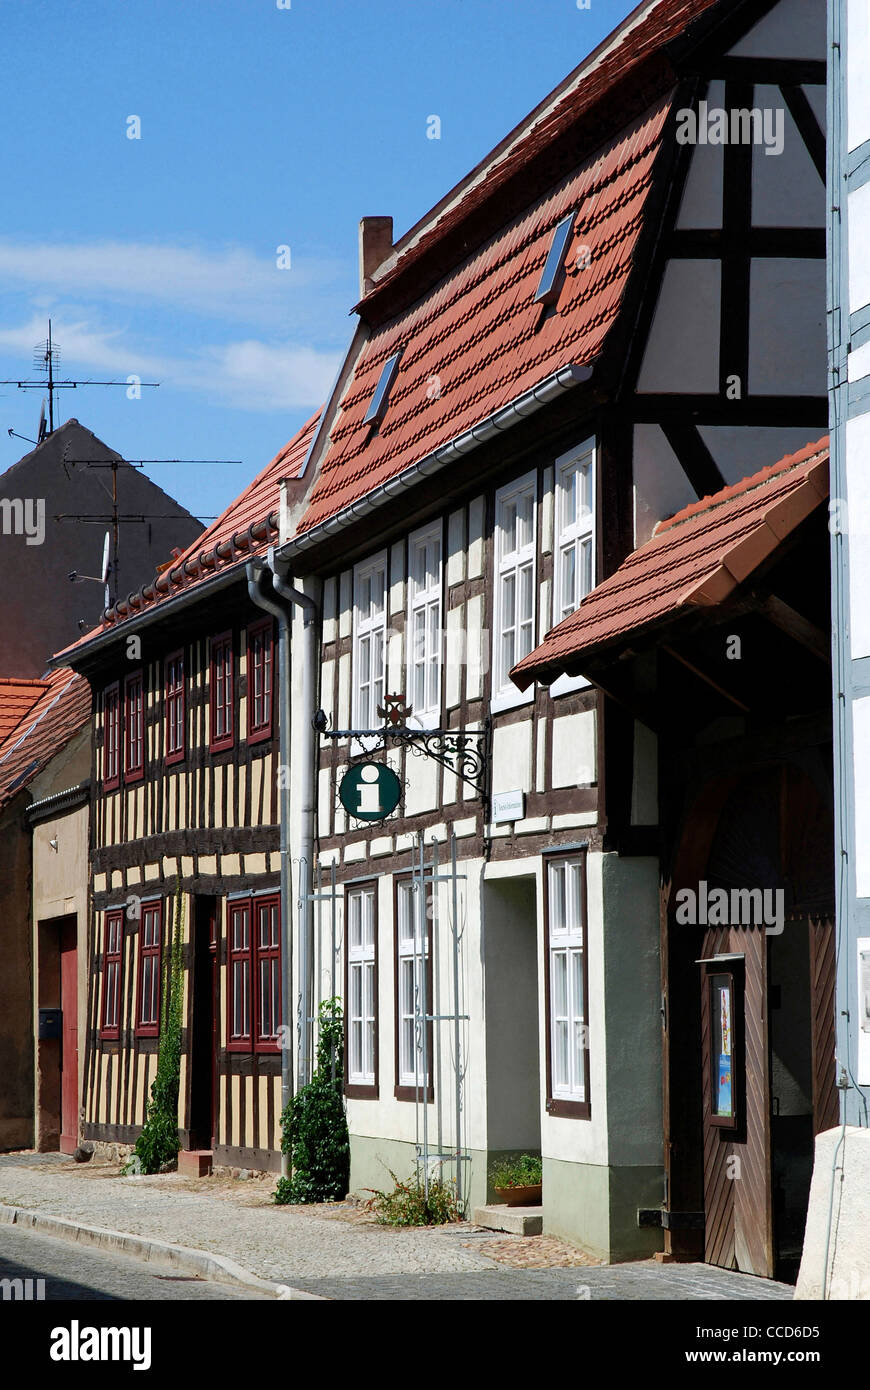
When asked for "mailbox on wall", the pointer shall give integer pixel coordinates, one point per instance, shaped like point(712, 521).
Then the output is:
point(49, 1023)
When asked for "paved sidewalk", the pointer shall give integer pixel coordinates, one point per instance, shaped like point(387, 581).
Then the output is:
point(329, 1251)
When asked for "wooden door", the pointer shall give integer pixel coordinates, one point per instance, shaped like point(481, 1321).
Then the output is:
point(738, 1224)
point(69, 1063)
point(823, 977)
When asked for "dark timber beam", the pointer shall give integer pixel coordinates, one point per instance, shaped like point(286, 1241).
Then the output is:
point(789, 72)
point(708, 680)
point(695, 458)
point(804, 118)
point(736, 258)
point(782, 411)
point(796, 626)
point(786, 243)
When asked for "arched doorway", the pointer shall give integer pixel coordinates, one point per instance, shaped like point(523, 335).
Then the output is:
point(749, 984)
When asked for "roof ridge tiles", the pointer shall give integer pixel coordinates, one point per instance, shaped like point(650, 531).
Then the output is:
point(742, 486)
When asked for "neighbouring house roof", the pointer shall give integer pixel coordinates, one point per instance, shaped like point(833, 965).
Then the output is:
point(247, 527)
point(17, 698)
point(696, 558)
point(60, 711)
point(480, 340)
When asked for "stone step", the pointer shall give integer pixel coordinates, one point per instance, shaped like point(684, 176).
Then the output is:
point(517, 1221)
point(195, 1163)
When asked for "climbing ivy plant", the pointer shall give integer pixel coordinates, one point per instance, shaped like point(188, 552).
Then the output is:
point(158, 1143)
point(313, 1124)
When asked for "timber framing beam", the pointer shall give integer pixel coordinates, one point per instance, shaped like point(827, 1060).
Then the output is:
point(796, 626)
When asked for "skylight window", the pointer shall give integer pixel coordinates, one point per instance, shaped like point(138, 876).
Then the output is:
point(548, 288)
point(378, 402)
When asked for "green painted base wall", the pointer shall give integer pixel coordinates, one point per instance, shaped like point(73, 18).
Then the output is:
point(586, 1205)
point(596, 1208)
point(371, 1161)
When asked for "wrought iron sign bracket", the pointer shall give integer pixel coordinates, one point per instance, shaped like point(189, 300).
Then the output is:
point(465, 753)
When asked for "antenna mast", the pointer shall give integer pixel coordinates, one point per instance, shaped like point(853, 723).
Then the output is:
point(46, 356)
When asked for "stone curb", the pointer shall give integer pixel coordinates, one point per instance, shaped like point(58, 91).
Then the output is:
point(200, 1263)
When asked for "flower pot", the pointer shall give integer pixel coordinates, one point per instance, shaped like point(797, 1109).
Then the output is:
point(528, 1196)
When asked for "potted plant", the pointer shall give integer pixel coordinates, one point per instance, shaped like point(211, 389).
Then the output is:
point(517, 1181)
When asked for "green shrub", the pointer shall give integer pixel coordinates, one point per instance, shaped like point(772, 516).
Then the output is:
point(410, 1205)
point(313, 1124)
point(158, 1144)
point(525, 1171)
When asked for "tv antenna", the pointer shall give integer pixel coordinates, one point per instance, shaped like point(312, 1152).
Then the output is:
point(116, 517)
point(46, 359)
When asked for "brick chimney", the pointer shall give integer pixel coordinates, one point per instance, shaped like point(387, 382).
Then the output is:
point(375, 245)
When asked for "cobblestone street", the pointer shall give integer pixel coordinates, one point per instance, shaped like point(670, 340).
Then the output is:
point(339, 1253)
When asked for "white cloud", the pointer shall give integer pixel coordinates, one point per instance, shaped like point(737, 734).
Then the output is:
point(251, 374)
point(230, 283)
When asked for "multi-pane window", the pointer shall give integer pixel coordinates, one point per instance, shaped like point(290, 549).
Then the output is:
point(221, 693)
point(414, 987)
point(175, 707)
point(148, 1010)
point(240, 974)
point(361, 986)
point(567, 981)
point(514, 579)
point(268, 957)
point(424, 620)
point(369, 640)
point(575, 511)
point(111, 736)
point(134, 728)
point(254, 955)
point(260, 663)
point(112, 944)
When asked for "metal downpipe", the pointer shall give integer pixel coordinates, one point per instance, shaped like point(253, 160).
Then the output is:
point(305, 785)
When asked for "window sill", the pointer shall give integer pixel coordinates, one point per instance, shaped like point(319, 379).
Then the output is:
point(569, 1109)
point(259, 735)
point(361, 1090)
point(137, 775)
point(172, 759)
point(412, 1092)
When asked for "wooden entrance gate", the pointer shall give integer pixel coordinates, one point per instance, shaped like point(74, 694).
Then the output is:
point(758, 995)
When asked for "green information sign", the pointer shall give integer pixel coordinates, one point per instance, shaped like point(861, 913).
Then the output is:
point(370, 791)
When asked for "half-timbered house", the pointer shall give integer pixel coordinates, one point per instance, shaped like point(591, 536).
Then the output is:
point(185, 799)
point(618, 313)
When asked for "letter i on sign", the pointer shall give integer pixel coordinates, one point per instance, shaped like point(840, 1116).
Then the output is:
point(369, 796)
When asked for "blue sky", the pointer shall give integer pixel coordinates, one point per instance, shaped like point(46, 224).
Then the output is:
point(260, 128)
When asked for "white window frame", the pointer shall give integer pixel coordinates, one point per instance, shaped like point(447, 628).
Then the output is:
point(412, 963)
point(362, 1059)
point(567, 536)
point(566, 931)
point(365, 628)
point(425, 599)
point(505, 694)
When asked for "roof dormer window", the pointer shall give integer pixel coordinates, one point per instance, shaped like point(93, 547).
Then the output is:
point(550, 281)
point(378, 402)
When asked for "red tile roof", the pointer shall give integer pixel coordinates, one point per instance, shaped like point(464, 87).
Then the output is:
point(247, 527)
point(696, 558)
point(63, 707)
point(479, 340)
point(17, 697)
point(641, 37)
